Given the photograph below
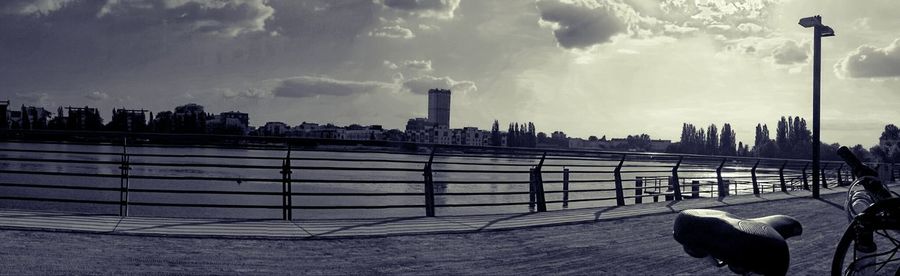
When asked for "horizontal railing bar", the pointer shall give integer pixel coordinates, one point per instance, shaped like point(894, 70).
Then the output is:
point(581, 181)
point(482, 194)
point(200, 205)
point(357, 207)
point(355, 194)
point(161, 191)
point(60, 173)
point(481, 204)
point(350, 181)
point(484, 182)
point(67, 200)
point(22, 159)
point(582, 190)
point(45, 186)
point(583, 199)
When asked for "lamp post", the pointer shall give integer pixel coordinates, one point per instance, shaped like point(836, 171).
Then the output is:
point(819, 31)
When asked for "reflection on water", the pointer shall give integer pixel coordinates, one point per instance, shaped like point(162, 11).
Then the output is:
point(597, 176)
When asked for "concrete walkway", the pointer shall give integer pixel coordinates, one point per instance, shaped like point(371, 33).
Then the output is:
point(336, 228)
point(633, 244)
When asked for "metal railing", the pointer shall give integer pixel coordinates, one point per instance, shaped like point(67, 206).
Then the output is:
point(442, 180)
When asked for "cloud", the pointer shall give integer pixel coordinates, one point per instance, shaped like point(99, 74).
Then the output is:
point(340, 20)
point(732, 19)
point(395, 31)
point(581, 24)
point(442, 9)
point(790, 53)
point(31, 7)
point(246, 94)
point(34, 98)
point(219, 17)
point(421, 85)
point(871, 62)
point(778, 50)
point(750, 28)
point(418, 65)
point(310, 86)
point(97, 96)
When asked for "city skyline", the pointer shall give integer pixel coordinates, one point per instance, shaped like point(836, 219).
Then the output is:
point(634, 67)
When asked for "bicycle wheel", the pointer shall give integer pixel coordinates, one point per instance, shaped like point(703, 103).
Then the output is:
point(883, 258)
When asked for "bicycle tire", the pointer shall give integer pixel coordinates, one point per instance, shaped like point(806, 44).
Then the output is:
point(840, 253)
point(874, 262)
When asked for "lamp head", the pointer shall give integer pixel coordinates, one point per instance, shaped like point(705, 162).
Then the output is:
point(811, 21)
point(825, 31)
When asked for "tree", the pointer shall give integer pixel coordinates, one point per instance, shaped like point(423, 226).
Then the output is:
point(592, 138)
point(861, 153)
point(532, 136)
point(495, 134)
point(639, 142)
point(712, 140)
point(542, 138)
point(511, 136)
point(727, 141)
point(781, 135)
point(888, 148)
point(26, 120)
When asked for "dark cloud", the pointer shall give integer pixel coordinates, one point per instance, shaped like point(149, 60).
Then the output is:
point(421, 85)
point(309, 86)
point(425, 8)
point(31, 7)
point(220, 17)
point(870, 62)
point(335, 20)
point(790, 53)
point(582, 24)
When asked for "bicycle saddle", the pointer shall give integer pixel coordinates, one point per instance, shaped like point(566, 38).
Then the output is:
point(747, 245)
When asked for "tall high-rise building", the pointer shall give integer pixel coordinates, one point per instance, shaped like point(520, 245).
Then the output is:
point(439, 106)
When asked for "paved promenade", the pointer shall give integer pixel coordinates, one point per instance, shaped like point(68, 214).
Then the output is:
point(627, 241)
point(23, 219)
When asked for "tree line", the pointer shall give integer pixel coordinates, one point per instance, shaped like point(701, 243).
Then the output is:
point(709, 141)
point(793, 139)
point(523, 135)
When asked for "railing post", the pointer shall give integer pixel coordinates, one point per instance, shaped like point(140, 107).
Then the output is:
point(124, 167)
point(781, 177)
point(539, 186)
point(753, 178)
point(674, 182)
point(723, 190)
point(620, 196)
point(638, 190)
point(565, 188)
point(429, 186)
point(840, 180)
point(695, 189)
point(286, 193)
point(805, 184)
point(822, 176)
point(531, 193)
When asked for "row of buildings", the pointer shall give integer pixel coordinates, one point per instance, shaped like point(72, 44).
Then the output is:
point(192, 118)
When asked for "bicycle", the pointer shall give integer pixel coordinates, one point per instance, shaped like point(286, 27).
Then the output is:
point(758, 245)
point(874, 216)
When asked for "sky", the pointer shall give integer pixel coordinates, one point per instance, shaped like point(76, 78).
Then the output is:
point(585, 67)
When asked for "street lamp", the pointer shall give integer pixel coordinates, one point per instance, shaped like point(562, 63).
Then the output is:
point(819, 31)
